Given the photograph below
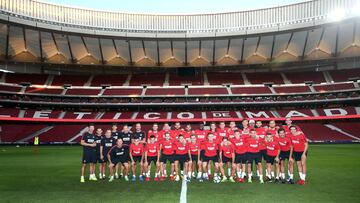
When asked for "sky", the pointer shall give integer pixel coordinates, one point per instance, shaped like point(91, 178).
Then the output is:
point(174, 6)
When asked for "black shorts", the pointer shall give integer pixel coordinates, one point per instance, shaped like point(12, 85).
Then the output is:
point(164, 158)
point(202, 154)
point(251, 157)
point(284, 155)
point(98, 159)
point(263, 154)
point(270, 159)
point(89, 157)
point(137, 159)
point(122, 160)
point(226, 159)
point(215, 158)
point(194, 158)
point(240, 158)
point(151, 159)
point(297, 155)
point(182, 158)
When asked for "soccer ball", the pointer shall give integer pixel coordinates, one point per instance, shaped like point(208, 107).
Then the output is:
point(217, 179)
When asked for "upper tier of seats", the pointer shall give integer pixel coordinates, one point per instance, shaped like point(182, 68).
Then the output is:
point(172, 79)
point(170, 84)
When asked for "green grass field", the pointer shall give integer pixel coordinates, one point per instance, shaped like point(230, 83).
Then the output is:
point(52, 175)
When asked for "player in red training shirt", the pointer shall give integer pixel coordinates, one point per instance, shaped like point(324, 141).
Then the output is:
point(231, 130)
point(194, 153)
point(261, 132)
point(240, 145)
point(210, 148)
point(300, 148)
point(154, 131)
point(222, 130)
point(188, 132)
point(227, 156)
point(273, 128)
point(285, 154)
point(272, 156)
point(167, 155)
point(201, 133)
point(136, 156)
point(151, 155)
point(253, 155)
point(217, 140)
point(178, 130)
point(181, 156)
point(166, 128)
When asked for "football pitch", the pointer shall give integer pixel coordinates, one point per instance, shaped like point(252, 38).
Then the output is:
point(52, 175)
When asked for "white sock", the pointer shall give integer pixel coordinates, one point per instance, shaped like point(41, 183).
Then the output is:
point(250, 176)
point(301, 175)
point(243, 174)
point(289, 173)
point(81, 176)
point(100, 175)
point(199, 174)
point(272, 174)
point(116, 174)
point(238, 174)
point(205, 175)
point(267, 173)
point(104, 175)
point(291, 176)
point(209, 171)
point(189, 174)
point(257, 172)
point(261, 177)
point(215, 175)
point(165, 173)
point(229, 171)
point(182, 172)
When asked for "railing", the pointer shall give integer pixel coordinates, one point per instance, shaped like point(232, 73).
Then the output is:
point(220, 22)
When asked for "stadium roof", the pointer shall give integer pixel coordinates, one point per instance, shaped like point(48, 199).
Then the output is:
point(32, 31)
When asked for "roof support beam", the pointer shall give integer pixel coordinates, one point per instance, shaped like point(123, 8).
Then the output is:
point(305, 43)
point(214, 51)
point(130, 55)
point(336, 42)
point(272, 48)
point(143, 47)
point(55, 43)
point(83, 41)
point(24, 35)
point(158, 52)
point(116, 51)
point(186, 58)
point(228, 47)
point(242, 51)
point(321, 37)
point(288, 43)
point(257, 44)
point(40, 47)
point(7, 41)
point(172, 48)
point(73, 60)
point(199, 48)
point(101, 52)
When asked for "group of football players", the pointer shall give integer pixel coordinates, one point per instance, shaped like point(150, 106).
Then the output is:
point(194, 153)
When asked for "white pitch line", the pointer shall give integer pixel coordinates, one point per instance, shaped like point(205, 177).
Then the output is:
point(183, 192)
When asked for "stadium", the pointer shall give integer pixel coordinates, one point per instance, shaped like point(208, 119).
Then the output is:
point(67, 71)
